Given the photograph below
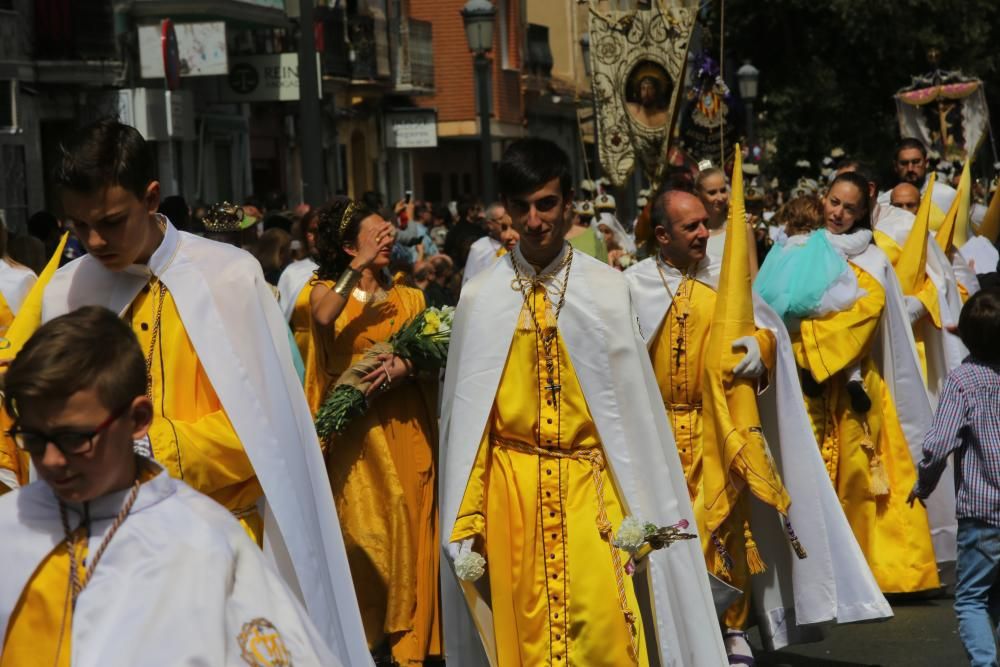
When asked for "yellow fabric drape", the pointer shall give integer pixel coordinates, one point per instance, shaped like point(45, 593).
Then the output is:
point(895, 538)
point(680, 376)
point(191, 434)
point(553, 586)
point(382, 471)
point(40, 628)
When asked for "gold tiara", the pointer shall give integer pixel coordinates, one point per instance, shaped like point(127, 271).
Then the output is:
point(346, 218)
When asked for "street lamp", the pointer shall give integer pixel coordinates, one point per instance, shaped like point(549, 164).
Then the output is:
point(478, 16)
point(748, 76)
point(588, 70)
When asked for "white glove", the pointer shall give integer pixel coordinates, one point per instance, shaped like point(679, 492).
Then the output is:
point(456, 549)
point(914, 308)
point(752, 363)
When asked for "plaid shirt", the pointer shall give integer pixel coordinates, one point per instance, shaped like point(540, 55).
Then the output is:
point(967, 422)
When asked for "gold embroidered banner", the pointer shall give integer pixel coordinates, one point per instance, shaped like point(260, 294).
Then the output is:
point(638, 60)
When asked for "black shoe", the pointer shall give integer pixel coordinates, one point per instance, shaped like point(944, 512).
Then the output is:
point(860, 402)
point(810, 387)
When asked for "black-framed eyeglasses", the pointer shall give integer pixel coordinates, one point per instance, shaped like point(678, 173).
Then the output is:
point(70, 443)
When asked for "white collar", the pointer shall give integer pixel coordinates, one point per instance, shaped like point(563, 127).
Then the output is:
point(851, 244)
point(162, 256)
point(525, 267)
point(107, 507)
point(673, 272)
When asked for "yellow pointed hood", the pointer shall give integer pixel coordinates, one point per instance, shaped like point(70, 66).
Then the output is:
point(947, 236)
point(990, 227)
point(734, 453)
point(911, 269)
point(963, 222)
point(29, 317)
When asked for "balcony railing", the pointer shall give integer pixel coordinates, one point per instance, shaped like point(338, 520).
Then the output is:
point(413, 57)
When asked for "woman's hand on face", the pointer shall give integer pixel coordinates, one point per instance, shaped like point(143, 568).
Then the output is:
point(393, 368)
point(370, 243)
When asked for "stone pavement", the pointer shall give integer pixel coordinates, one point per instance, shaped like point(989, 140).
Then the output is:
point(923, 633)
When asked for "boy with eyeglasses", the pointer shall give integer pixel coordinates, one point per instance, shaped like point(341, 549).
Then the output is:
point(108, 559)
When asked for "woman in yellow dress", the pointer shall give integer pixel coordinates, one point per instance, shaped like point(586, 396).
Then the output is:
point(852, 409)
point(382, 468)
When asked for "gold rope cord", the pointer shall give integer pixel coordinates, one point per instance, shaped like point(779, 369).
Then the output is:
point(595, 457)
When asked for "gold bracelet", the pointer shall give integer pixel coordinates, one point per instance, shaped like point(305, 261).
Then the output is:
point(348, 279)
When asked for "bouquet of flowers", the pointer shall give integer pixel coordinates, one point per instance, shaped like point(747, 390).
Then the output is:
point(639, 538)
point(423, 341)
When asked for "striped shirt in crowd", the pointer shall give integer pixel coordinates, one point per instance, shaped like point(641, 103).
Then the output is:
point(967, 422)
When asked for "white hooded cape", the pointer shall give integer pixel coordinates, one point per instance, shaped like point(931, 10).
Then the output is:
point(177, 584)
point(602, 337)
point(15, 283)
point(290, 284)
point(895, 354)
point(944, 352)
point(833, 583)
point(234, 323)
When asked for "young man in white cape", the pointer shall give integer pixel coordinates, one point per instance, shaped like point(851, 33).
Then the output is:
point(107, 559)
point(552, 434)
point(833, 582)
point(230, 417)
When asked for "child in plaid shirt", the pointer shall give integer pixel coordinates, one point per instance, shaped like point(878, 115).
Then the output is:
point(967, 422)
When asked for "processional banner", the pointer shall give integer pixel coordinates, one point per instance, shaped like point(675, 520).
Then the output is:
point(638, 60)
point(945, 110)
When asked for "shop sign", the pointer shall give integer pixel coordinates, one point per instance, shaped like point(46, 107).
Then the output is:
point(411, 129)
point(272, 78)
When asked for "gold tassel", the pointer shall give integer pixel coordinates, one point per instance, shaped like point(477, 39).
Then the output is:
point(879, 478)
point(550, 318)
point(525, 323)
point(754, 561)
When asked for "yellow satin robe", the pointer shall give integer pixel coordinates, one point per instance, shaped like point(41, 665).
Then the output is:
point(40, 628)
point(894, 537)
point(382, 470)
point(191, 434)
point(680, 377)
point(553, 587)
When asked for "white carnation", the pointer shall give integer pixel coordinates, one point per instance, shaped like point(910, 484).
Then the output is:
point(470, 566)
point(631, 535)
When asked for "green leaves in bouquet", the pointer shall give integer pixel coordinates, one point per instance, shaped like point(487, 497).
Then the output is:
point(342, 405)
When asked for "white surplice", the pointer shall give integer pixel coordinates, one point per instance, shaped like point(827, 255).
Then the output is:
point(15, 283)
point(293, 279)
point(178, 584)
point(602, 338)
point(833, 583)
point(236, 327)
